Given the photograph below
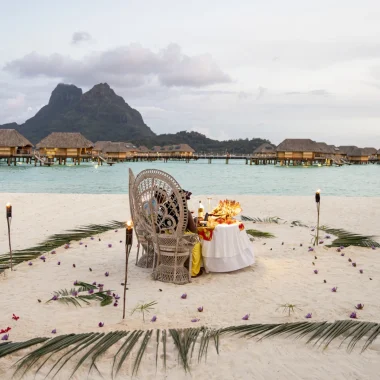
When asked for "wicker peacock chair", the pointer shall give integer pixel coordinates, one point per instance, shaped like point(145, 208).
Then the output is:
point(162, 213)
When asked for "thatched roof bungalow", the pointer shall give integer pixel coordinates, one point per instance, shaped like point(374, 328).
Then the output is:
point(98, 147)
point(378, 154)
point(13, 143)
point(119, 150)
point(358, 155)
point(65, 145)
point(371, 152)
point(265, 150)
point(299, 150)
point(180, 150)
point(345, 149)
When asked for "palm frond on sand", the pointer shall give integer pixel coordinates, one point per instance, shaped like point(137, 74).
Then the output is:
point(56, 241)
point(269, 219)
point(298, 223)
point(260, 234)
point(346, 238)
point(86, 349)
point(75, 296)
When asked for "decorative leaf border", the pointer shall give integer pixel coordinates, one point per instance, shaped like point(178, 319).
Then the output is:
point(88, 347)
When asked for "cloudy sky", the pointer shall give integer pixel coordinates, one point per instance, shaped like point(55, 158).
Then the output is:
point(244, 68)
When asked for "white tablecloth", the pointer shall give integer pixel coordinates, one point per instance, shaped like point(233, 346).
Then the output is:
point(229, 249)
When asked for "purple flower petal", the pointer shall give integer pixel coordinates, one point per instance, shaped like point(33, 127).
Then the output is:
point(361, 271)
point(353, 264)
point(101, 324)
point(115, 304)
point(308, 315)
point(92, 238)
point(353, 315)
point(342, 254)
point(109, 245)
point(373, 247)
point(54, 331)
point(246, 317)
point(200, 309)
point(80, 243)
point(43, 258)
point(75, 282)
point(154, 319)
point(334, 289)
point(106, 274)
point(5, 337)
point(195, 320)
point(316, 271)
point(338, 249)
point(108, 292)
point(311, 249)
point(59, 263)
point(91, 291)
point(53, 252)
point(184, 296)
point(359, 306)
point(117, 297)
point(100, 285)
point(55, 297)
point(116, 230)
point(321, 242)
point(67, 246)
point(94, 283)
point(341, 247)
point(30, 263)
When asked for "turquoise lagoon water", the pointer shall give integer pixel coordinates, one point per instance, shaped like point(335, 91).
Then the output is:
point(198, 177)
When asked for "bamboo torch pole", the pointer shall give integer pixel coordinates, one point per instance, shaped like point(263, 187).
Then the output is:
point(8, 209)
point(318, 202)
point(128, 246)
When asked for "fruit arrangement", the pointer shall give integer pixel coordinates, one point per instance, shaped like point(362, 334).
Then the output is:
point(226, 209)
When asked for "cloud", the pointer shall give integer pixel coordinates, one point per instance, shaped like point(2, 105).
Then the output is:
point(79, 37)
point(320, 92)
point(16, 102)
point(261, 93)
point(127, 66)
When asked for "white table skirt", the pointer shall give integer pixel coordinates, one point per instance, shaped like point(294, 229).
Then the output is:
point(230, 249)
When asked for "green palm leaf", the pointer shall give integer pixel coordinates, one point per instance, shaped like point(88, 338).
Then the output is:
point(269, 219)
point(56, 241)
point(346, 238)
point(260, 234)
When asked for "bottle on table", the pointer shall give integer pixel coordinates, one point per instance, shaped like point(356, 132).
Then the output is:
point(201, 211)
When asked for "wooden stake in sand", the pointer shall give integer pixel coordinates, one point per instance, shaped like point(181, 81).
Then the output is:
point(8, 209)
point(318, 202)
point(128, 246)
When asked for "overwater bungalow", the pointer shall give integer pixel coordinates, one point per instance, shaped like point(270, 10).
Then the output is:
point(167, 151)
point(345, 149)
point(378, 154)
point(372, 153)
point(264, 154)
point(116, 151)
point(13, 146)
point(299, 151)
point(98, 147)
point(358, 156)
point(63, 145)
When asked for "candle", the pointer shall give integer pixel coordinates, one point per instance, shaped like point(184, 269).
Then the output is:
point(8, 208)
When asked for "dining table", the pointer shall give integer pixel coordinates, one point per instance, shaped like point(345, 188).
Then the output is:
point(226, 248)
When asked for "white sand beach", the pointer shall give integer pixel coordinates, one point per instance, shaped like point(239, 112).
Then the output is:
point(283, 273)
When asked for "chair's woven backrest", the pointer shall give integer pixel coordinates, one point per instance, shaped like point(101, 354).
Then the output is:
point(131, 200)
point(160, 203)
